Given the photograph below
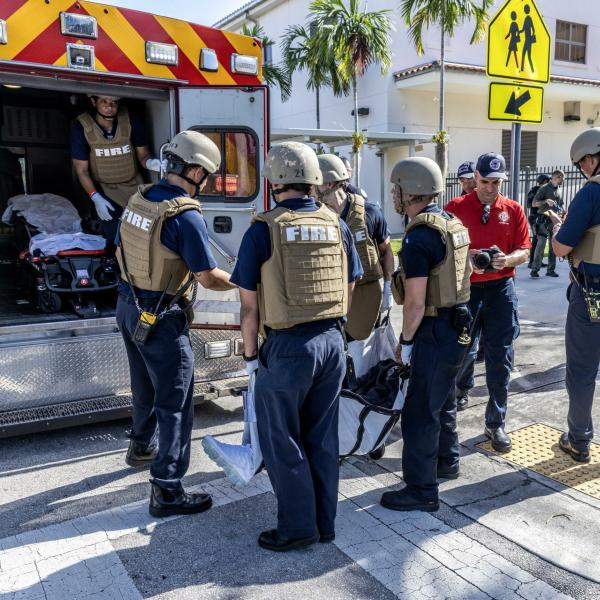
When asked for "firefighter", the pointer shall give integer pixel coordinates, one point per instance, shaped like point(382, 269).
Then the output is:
point(107, 144)
point(432, 284)
point(579, 239)
point(372, 240)
point(163, 246)
point(298, 305)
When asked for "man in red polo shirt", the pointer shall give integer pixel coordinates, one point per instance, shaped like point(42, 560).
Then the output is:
point(494, 222)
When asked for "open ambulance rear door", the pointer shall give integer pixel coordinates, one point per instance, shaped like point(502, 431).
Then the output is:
point(236, 120)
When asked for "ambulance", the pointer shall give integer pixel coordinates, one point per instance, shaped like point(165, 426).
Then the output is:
point(63, 363)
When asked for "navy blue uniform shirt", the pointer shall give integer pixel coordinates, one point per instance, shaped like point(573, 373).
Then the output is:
point(584, 212)
point(376, 224)
point(80, 149)
point(422, 248)
point(256, 248)
point(185, 234)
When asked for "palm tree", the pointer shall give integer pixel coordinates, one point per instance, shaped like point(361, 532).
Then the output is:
point(354, 39)
point(419, 15)
point(274, 75)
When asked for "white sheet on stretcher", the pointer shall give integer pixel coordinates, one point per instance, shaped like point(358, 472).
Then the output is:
point(48, 213)
point(52, 244)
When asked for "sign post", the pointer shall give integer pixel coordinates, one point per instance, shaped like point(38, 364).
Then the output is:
point(518, 50)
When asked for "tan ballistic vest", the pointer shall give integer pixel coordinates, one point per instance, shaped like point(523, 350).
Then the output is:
point(112, 162)
point(448, 283)
point(365, 246)
point(588, 248)
point(306, 278)
point(150, 264)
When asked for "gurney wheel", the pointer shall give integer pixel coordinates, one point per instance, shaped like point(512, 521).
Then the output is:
point(377, 453)
point(48, 301)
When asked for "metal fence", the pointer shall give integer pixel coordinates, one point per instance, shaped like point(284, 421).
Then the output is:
point(527, 179)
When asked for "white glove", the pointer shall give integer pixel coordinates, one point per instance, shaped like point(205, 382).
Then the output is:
point(103, 206)
point(405, 353)
point(251, 366)
point(155, 164)
point(386, 300)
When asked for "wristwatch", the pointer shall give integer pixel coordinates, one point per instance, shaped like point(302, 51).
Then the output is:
point(250, 358)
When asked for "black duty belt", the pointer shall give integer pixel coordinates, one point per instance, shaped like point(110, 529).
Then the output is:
point(489, 284)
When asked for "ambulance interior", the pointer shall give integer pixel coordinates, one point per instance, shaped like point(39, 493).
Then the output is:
point(35, 160)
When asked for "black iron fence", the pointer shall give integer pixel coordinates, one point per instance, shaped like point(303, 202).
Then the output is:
point(527, 179)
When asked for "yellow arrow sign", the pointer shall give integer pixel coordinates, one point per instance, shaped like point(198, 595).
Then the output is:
point(519, 43)
point(516, 103)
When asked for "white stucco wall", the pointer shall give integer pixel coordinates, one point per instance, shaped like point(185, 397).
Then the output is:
point(415, 107)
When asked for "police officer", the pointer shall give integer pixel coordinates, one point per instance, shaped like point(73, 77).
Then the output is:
point(163, 246)
point(548, 197)
point(352, 189)
point(432, 283)
point(298, 304)
point(106, 146)
point(542, 179)
point(498, 224)
point(466, 177)
point(372, 240)
point(579, 239)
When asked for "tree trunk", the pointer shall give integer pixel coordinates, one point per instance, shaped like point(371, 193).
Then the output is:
point(318, 96)
point(441, 150)
point(355, 165)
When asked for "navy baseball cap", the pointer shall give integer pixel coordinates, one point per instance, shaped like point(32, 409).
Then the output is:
point(492, 166)
point(466, 170)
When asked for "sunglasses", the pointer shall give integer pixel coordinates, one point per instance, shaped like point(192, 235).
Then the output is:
point(485, 216)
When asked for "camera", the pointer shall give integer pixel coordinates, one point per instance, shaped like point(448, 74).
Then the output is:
point(483, 259)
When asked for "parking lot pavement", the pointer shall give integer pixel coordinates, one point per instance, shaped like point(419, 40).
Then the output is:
point(74, 520)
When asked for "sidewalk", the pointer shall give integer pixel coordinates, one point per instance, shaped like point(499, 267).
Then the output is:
point(75, 522)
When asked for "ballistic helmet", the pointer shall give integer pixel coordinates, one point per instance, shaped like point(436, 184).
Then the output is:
point(585, 143)
point(332, 168)
point(418, 175)
point(193, 149)
point(292, 162)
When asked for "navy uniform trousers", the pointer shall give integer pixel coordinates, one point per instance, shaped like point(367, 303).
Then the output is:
point(429, 414)
point(297, 404)
point(582, 343)
point(498, 319)
point(162, 386)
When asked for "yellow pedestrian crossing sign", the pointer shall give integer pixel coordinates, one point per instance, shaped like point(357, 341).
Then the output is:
point(519, 43)
point(515, 102)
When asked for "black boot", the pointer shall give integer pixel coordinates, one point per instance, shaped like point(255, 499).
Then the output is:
point(500, 441)
point(139, 455)
point(462, 400)
point(447, 472)
point(271, 540)
point(581, 456)
point(404, 500)
point(165, 503)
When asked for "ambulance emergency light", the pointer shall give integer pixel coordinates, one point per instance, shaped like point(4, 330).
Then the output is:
point(244, 64)
point(3, 34)
point(81, 26)
point(209, 60)
point(159, 53)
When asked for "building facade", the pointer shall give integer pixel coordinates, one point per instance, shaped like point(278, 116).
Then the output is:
point(406, 99)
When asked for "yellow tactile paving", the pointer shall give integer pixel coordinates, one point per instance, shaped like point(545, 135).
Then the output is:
point(536, 447)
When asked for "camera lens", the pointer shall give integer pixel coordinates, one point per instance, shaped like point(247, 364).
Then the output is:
point(482, 260)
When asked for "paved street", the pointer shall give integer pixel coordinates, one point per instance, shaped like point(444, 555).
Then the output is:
point(74, 520)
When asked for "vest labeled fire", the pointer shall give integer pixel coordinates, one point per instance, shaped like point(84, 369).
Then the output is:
point(448, 283)
point(307, 275)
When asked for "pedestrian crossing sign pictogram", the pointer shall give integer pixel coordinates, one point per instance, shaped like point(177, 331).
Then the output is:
point(515, 102)
point(519, 43)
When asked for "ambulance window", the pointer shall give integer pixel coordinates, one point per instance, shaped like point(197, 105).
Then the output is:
point(237, 179)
